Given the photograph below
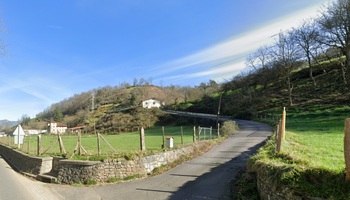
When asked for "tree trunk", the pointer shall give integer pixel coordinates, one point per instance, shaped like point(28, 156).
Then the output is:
point(311, 70)
point(347, 63)
point(290, 89)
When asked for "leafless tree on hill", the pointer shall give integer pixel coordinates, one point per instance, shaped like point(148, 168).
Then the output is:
point(335, 24)
point(307, 37)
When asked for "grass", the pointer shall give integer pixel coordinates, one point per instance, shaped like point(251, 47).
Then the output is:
point(132, 177)
point(311, 163)
point(125, 144)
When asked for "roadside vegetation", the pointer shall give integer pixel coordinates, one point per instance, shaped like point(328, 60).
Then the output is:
point(311, 163)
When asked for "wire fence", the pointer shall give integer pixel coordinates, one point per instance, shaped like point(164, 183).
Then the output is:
point(107, 144)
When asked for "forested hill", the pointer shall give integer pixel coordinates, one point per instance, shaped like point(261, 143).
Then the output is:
point(119, 108)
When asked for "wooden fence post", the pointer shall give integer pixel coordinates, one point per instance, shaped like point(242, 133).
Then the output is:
point(79, 143)
point(163, 137)
point(142, 139)
point(347, 148)
point(194, 133)
point(283, 124)
point(278, 139)
point(39, 145)
point(98, 144)
point(218, 130)
point(199, 133)
point(28, 148)
point(62, 149)
point(182, 134)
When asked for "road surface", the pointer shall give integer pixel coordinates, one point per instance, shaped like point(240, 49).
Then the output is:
point(16, 186)
point(206, 177)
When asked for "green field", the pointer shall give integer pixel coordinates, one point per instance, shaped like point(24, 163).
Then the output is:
point(122, 143)
point(312, 159)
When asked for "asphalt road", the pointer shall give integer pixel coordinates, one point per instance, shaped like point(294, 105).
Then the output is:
point(206, 177)
point(15, 186)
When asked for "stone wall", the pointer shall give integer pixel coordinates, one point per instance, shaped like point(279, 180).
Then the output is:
point(25, 163)
point(163, 158)
point(268, 189)
point(82, 171)
point(73, 171)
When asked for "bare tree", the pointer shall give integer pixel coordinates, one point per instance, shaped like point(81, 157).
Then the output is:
point(307, 37)
point(258, 59)
point(260, 62)
point(335, 24)
point(286, 55)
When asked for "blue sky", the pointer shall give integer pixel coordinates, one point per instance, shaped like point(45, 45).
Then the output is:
point(55, 49)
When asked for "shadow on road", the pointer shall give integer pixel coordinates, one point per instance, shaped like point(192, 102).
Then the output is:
point(224, 175)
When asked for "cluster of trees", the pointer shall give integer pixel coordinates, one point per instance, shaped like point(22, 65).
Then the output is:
point(326, 37)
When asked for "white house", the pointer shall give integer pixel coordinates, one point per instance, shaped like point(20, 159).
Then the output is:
point(151, 103)
point(56, 127)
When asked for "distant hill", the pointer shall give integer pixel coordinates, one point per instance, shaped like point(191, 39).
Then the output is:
point(4, 124)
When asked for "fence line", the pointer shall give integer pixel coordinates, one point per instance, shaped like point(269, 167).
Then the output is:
point(71, 144)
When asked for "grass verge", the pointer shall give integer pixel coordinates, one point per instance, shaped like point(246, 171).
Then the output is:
point(311, 163)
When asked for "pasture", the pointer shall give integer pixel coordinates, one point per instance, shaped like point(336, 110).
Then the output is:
point(123, 143)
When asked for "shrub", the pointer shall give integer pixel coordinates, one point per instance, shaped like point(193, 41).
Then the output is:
point(228, 128)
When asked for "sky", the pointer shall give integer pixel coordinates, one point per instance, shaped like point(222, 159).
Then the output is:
point(56, 49)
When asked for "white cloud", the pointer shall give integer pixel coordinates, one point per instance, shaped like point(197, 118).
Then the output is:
point(223, 60)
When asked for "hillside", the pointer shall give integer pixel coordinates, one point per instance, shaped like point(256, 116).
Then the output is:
point(266, 92)
point(117, 109)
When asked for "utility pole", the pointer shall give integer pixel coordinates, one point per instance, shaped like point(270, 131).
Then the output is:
point(92, 101)
point(93, 108)
point(219, 108)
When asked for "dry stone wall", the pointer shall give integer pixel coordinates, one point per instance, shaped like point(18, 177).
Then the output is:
point(83, 171)
point(25, 163)
point(73, 171)
point(268, 189)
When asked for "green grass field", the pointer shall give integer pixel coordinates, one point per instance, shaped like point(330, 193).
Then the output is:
point(122, 143)
point(312, 158)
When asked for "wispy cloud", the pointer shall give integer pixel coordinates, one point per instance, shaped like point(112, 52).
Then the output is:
point(226, 59)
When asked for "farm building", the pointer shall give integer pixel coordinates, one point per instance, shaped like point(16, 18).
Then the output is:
point(151, 103)
point(77, 129)
point(56, 127)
